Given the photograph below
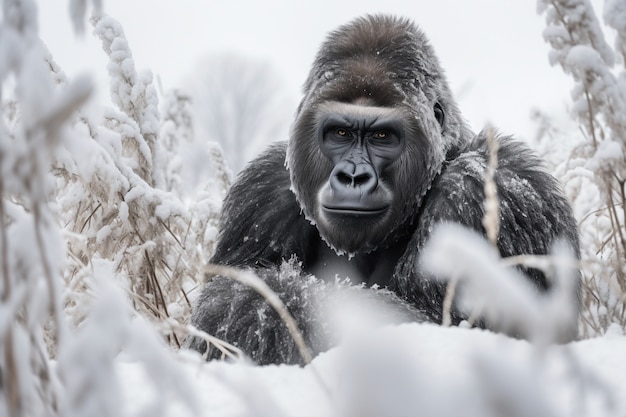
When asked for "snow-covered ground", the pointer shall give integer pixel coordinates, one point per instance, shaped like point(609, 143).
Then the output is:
point(406, 370)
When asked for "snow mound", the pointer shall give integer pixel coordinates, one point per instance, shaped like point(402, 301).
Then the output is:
point(410, 369)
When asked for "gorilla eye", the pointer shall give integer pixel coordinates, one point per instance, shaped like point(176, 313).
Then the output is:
point(381, 134)
point(341, 132)
point(439, 113)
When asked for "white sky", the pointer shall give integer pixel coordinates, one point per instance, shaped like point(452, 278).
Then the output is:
point(492, 50)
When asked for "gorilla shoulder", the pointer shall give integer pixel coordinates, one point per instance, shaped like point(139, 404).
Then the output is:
point(261, 222)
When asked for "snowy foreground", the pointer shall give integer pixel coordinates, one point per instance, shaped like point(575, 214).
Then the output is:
point(406, 370)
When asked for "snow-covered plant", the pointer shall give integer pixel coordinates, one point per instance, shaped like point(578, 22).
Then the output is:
point(121, 196)
point(503, 296)
point(91, 202)
point(595, 175)
point(32, 127)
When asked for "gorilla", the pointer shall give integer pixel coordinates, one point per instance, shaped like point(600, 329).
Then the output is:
point(378, 155)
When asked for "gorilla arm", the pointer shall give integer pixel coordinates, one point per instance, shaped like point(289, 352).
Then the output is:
point(533, 214)
point(260, 227)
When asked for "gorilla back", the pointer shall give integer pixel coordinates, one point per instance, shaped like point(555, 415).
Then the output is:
point(378, 155)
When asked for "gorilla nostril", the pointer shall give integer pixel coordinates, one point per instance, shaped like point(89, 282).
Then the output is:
point(345, 179)
point(362, 179)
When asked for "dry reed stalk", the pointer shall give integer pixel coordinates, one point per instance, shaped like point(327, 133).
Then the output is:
point(491, 218)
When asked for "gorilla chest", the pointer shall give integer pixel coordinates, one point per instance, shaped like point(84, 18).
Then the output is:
point(374, 268)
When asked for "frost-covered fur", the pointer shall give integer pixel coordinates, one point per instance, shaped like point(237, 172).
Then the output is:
point(236, 313)
point(440, 178)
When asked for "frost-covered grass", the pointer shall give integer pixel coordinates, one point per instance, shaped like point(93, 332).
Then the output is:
point(108, 215)
point(594, 174)
point(96, 200)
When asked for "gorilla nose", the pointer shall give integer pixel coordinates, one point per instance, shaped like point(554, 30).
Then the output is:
point(350, 180)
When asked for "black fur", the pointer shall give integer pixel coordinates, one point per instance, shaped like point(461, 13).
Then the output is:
point(271, 219)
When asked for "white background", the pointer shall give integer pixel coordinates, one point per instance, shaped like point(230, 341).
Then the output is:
point(493, 50)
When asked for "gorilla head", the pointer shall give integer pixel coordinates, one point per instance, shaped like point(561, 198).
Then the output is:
point(371, 133)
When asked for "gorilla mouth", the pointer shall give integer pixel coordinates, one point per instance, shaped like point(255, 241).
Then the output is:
point(356, 211)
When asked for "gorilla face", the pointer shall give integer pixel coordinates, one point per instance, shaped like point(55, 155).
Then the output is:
point(358, 170)
point(356, 203)
point(361, 143)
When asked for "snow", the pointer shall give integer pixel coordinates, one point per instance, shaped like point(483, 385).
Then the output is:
point(615, 16)
point(410, 369)
point(608, 152)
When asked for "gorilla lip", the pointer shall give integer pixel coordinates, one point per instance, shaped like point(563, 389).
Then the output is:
point(356, 212)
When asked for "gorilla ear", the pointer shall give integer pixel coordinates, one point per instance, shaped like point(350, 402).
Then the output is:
point(439, 115)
